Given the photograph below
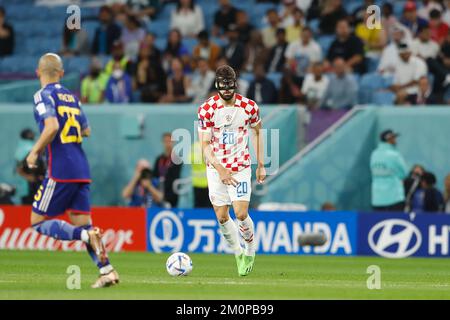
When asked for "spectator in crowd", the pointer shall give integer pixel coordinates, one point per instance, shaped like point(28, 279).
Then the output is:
point(373, 37)
point(175, 49)
point(447, 194)
point(199, 180)
point(389, 21)
point(93, 85)
point(244, 27)
point(132, 36)
point(427, 198)
point(427, 7)
point(106, 33)
point(119, 87)
point(149, 76)
point(223, 17)
point(287, 13)
point(206, 49)
point(388, 170)
point(32, 177)
point(389, 56)
point(440, 68)
point(276, 58)
point(142, 190)
point(412, 185)
point(269, 32)
point(408, 71)
point(446, 15)
point(348, 47)
point(188, 18)
point(410, 18)
point(167, 169)
point(290, 89)
point(333, 11)
point(425, 95)
point(202, 80)
point(118, 57)
point(359, 14)
point(262, 90)
point(342, 90)
point(438, 28)
point(423, 46)
point(75, 42)
point(234, 52)
point(6, 35)
point(144, 10)
point(255, 51)
point(314, 86)
point(302, 52)
point(294, 30)
point(178, 84)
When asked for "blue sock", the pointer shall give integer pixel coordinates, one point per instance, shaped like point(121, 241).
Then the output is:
point(91, 251)
point(58, 229)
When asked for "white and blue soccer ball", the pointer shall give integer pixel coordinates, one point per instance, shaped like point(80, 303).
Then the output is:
point(179, 264)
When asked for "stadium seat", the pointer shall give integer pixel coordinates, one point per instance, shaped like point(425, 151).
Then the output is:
point(370, 83)
point(190, 43)
point(325, 42)
point(275, 77)
point(161, 43)
point(247, 76)
point(383, 98)
point(372, 64)
point(314, 25)
point(159, 27)
point(77, 64)
point(165, 13)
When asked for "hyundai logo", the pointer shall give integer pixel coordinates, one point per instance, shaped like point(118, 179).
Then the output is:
point(394, 238)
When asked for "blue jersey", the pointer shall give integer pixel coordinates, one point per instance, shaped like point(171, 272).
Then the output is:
point(66, 159)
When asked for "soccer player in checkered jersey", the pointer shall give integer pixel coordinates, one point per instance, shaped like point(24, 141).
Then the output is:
point(224, 123)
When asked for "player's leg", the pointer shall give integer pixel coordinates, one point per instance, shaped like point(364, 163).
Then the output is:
point(108, 276)
point(80, 215)
point(220, 200)
point(49, 203)
point(240, 197)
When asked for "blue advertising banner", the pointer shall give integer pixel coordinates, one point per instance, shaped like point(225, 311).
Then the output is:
point(197, 230)
point(403, 235)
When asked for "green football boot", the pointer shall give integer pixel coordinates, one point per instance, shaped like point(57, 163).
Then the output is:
point(246, 265)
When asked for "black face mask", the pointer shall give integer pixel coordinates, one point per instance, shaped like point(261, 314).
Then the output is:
point(223, 84)
point(95, 73)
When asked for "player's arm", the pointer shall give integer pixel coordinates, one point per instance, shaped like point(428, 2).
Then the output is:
point(85, 128)
point(51, 127)
point(86, 132)
point(208, 154)
point(258, 146)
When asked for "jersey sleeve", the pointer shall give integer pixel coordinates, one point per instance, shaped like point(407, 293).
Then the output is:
point(254, 114)
point(45, 105)
point(205, 114)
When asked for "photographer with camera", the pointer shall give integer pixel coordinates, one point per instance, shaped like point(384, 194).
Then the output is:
point(142, 189)
point(33, 176)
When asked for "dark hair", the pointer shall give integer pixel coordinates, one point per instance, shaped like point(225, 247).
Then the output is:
point(225, 72)
point(173, 49)
point(146, 174)
point(166, 134)
point(269, 11)
point(105, 8)
point(387, 6)
point(179, 5)
point(435, 14)
point(2, 10)
point(27, 134)
point(134, 20)
point(203, 35)
point(307, 28)
point(280, 30)
point(429, 178)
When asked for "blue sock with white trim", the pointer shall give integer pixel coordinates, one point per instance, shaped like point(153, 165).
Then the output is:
point(103, 267)
point(58, 229)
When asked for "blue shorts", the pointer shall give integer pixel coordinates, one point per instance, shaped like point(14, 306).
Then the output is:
point(55, 198)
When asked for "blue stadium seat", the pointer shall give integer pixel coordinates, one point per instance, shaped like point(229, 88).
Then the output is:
point(372, 64)
point(370, 83)
point(314, 25)
point(76, 64)
point(383, 98)
point(275, 77)
point(161, 43)
point(159, 27)
point(190, 43)
point(325, 42)
point(166, 12)
point(247, 76)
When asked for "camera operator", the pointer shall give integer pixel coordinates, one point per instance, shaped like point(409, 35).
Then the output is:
point(33, 177)
point(142, 189)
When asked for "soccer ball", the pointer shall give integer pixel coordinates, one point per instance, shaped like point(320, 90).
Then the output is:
point(179, 264)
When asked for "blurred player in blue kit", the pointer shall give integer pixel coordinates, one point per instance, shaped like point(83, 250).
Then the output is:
point(66, 186)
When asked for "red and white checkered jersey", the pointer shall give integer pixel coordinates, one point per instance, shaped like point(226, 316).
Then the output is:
point(229, 128)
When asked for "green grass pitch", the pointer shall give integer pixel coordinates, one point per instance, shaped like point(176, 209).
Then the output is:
point(42, 275)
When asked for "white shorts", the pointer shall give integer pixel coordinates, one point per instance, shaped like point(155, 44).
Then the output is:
point(223, 195)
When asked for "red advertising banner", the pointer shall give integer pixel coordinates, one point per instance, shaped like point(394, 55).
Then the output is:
point(124, 230)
